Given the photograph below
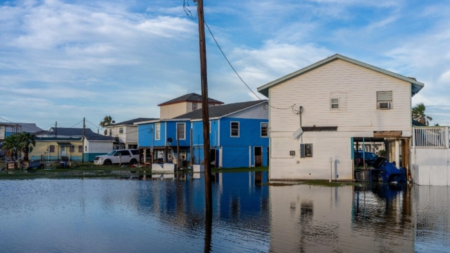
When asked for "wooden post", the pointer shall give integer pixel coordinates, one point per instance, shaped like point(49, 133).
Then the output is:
point(205, 106)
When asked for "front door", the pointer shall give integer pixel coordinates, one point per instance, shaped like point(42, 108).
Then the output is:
point(258, 156)
point(63, 151)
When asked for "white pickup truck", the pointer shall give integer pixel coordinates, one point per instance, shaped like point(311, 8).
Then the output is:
point(118, 156)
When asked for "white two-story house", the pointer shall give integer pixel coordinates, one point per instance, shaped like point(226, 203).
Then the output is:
point(317, 115)
point(125, 133)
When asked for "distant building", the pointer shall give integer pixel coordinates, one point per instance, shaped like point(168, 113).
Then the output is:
point(68, 142)
point(125, 133)
point(184, 104)
point(9, 128)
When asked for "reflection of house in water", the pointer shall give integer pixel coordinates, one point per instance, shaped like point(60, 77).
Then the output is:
point(236, 200)
point(322, 219)
point(432, 218)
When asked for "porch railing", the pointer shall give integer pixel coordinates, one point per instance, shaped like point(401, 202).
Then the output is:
point(431, 137)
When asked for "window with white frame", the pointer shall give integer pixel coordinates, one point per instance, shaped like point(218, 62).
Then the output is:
point(157, 131)
point(234, 129)
point(181, 131)
point(121, 130)
point(334, 103)
point(384, 100)
point(194, 106)
point(264, 129)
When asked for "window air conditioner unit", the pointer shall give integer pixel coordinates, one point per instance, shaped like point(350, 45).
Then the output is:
point(384, 105)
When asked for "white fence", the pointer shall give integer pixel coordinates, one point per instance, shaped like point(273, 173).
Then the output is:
point(430, 156)
point(431, 137)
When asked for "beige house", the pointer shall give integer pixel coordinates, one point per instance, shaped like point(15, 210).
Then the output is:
point(318, 114)
point(184, 104)
point(125, 133)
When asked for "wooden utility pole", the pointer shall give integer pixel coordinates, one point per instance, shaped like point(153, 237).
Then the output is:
point(205, 107)
point(82, 140)
point(56, 129)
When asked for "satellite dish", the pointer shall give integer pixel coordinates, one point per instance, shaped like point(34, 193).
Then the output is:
point(296, 135)
point(169, 139)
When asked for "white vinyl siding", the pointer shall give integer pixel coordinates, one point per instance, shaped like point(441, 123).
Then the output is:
point(181, 131)
point(157, 131)
point(234, 129)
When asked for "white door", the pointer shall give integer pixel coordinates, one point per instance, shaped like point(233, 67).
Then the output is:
point(63, 151)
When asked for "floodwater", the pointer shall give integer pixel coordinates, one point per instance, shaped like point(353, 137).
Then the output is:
point(166, 214)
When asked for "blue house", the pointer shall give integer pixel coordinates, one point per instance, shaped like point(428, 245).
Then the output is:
point(238, 135)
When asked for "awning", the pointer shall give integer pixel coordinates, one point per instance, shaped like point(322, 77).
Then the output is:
point(64, 144)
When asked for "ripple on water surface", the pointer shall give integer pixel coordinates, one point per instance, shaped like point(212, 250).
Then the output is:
point(95, 215)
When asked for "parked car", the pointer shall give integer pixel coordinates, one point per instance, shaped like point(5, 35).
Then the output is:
point(368, 157)
point(118, 156)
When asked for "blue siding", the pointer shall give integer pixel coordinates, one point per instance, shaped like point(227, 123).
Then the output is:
point(147, 132)
point(198, 133)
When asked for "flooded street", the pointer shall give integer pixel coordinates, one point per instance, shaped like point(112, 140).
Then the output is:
point(166, 215)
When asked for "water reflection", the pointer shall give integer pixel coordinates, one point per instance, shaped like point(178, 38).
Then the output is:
point(166, 213)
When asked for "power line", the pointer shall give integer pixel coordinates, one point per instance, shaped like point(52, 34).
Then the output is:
point(76, 124)
point(229, 63)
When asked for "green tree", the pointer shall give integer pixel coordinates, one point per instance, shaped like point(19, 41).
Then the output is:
point(26, 144)
point(23, 142)
point(107, 121)
point(418, 114)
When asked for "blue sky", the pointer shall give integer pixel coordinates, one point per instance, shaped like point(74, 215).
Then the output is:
point(65, 60)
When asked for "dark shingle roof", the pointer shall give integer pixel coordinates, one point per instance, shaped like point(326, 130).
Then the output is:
point(191, 97)
point(25, 127)
point(99, 137)
point(220, 110)
point(70, 131)
point(132, 121)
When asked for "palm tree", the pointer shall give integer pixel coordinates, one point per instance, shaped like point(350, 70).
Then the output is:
point(418, 114)
point(26, 144)
point(107, 121)
point(11, 146)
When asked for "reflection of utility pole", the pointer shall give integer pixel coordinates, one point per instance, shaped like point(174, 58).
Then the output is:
point(205, 108)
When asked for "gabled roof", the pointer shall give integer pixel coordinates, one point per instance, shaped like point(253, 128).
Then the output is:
point(72, 133)
point(132, 121)
point(191, 97)
point(221, 110)
point(415, 85)
point(24, 127)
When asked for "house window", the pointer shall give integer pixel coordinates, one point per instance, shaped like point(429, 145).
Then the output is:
point(264, 129)
point(72, 149)
point(384, 100)
point(157, 131)
point(110, 132)
point(194, 106)
point(181, 131)
point(80, 149)
point(121, 130)
point(334, 103)
point(306, 150)
point(234, 129)
point(85, 148)
point(52, 149)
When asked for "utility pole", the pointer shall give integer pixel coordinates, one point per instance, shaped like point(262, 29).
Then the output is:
point(82, 140)
point(56, 129)
point(205, 107)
